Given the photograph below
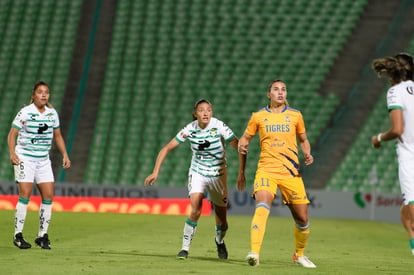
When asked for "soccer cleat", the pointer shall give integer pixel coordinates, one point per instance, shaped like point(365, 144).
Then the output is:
point(43, 242)
point(182, 255)
point(20, 242)
point(303, 260)
point(252, 259)
point(221, 250)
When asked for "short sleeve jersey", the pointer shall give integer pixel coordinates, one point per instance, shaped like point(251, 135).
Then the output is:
point(401, 96)
point(35, 131)
point(278, 140)
point(207, 145)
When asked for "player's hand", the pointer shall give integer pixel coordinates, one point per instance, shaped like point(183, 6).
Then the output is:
point(241, 182)
point(14, 159)
point(151, 179)
point(242, 149)
point(66, 163)
point(308, 159)
point(375, 142)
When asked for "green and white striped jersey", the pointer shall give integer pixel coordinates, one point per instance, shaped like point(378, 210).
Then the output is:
point(207, 145)
point(35, 131)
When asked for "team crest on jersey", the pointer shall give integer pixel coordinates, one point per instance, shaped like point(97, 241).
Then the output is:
point(50, 117)
point(213, 132)
point(287, 118)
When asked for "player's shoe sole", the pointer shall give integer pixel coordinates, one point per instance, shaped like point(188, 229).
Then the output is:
point(252, 259)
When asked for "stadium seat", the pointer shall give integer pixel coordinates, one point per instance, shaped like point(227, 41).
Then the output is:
point(361, 158)
point(227, 56)
point(27, 58)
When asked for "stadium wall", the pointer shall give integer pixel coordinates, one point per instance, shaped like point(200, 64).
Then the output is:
point(173, 201)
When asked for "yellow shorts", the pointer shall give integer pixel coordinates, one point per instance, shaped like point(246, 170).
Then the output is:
point(292, 189)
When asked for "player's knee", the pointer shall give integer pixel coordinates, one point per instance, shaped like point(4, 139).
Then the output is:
point(195, 214)
point(412, 225)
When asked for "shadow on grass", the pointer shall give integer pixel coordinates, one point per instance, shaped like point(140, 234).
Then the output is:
point(169, 256)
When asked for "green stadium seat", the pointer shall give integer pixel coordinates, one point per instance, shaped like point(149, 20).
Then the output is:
point(29, 24)
point(212, 49)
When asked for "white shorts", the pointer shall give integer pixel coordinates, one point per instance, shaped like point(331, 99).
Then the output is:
point(406, 174)
point(37, 171)
point(214, 188)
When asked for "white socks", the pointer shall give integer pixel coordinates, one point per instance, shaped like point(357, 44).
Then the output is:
point(20, 215)
point(189, 231)
point(45, 215)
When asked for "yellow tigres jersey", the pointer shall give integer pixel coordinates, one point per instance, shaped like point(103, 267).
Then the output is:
point(278, 140)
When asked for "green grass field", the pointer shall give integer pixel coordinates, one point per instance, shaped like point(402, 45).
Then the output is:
point(89, 243)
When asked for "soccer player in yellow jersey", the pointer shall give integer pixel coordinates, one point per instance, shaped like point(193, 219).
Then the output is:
point(279, 128)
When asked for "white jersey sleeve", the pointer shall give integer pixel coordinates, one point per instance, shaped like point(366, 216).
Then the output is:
point(401, 96)
point(394, 97)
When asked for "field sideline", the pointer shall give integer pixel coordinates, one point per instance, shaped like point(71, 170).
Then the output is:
point(94, 243)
